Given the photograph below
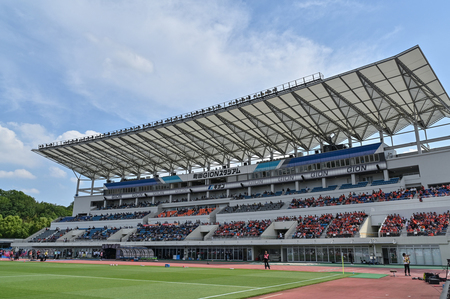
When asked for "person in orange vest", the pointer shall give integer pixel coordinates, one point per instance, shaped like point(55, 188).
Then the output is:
point(266, 260)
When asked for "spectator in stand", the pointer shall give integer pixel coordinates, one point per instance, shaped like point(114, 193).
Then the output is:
point(392, 226)
point(428, 224)
point(163, 232)
point(241, 229)
point(255, 207)
point(312, 226)
point(345, 225)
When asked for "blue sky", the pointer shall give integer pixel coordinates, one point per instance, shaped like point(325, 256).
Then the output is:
point(69, 68)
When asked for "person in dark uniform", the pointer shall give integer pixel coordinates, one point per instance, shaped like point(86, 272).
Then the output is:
point(266, 260)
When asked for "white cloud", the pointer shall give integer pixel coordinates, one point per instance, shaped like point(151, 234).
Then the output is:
point(73, 180)
point(72, 134)
point(18, 140)
point(30, 191)
point(32, 134)
point(13, 150)
point(147, 60)
point(57, 172)
point(177, 57)
point(16, 174)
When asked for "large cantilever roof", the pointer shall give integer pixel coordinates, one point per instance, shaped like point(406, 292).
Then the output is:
point(386, 96)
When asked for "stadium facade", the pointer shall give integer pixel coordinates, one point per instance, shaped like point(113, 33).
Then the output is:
point(314, 170)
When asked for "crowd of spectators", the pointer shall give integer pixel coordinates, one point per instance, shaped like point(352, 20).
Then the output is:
point(428, 224)
point(392, 226)
point(183, 199)
point(242, 229)
point(102, 217)
point(245, 195)
point(98, 233)
point(351, 198)
point(287, 218)
point(50, 235)
point(311, 227)
point(142, 204)
point(255, 207)
point(443, 190)
point(163, 231)
point(345, 225)
point(181, 212)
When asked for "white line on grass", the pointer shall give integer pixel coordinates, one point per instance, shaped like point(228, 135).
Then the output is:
point(268, 287)
point(144, 280)
point(14, 276)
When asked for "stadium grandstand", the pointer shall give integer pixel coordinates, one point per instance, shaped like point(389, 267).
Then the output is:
point(311, 171)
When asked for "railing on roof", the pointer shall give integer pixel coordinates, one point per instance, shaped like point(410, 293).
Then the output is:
point(258, 95)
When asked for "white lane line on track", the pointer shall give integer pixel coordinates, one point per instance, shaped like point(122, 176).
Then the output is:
point(272, 296)
point(268, 287)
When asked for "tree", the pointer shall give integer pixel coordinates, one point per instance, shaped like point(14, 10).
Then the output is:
point(21, 215)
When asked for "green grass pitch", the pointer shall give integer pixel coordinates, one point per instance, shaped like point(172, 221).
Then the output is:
point(54, 280)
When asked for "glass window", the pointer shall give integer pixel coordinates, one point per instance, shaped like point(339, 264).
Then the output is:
point(325, 254)
point(420, 259)
point(365, 254)
point(393, 256)
point(427, 256)
point(302, 254)
point(436, 253)
point(290, 254)
point(345, 254)
point(319, 252)
point(331, 255)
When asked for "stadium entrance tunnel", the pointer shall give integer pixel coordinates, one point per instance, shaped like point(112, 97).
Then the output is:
point(110, 253)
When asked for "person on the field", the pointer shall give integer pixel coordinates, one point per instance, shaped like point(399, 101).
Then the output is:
point(266, 260)
point(406, 262)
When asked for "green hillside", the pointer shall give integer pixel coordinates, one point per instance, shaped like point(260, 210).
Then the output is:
point(21, 215)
